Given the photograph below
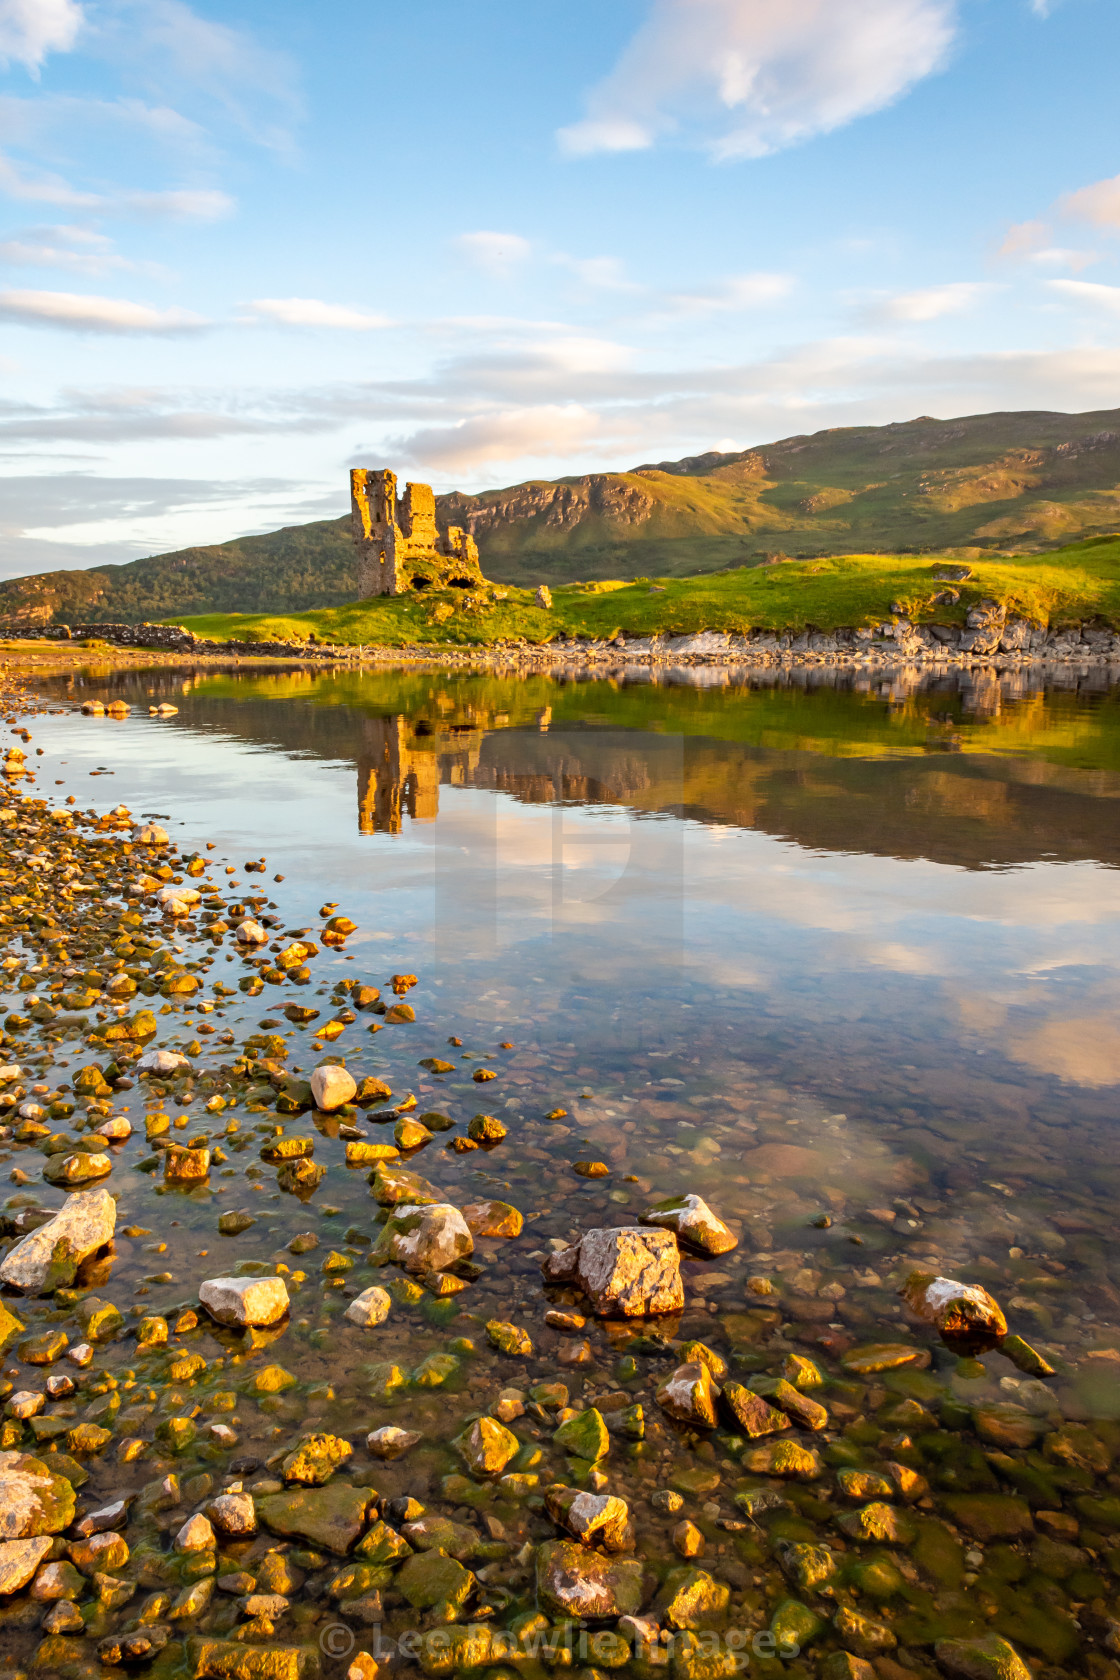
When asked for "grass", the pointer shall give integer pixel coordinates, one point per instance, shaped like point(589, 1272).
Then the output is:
point(1075, 584)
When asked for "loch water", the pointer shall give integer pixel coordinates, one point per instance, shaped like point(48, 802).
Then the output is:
point(840, 954)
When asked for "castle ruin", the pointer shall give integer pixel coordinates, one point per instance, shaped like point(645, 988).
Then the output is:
point(400, 546)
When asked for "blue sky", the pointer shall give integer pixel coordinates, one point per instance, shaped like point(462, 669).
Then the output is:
point(245, 247)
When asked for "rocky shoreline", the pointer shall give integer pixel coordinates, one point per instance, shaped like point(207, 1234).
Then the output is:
point(988, 635)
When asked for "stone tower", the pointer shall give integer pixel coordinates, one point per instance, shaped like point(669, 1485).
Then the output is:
point(400, 545)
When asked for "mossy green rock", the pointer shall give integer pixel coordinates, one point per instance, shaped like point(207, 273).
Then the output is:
point(783, 1458)
point(574, 1581)
point(100, 1320)
point(436, 1370)
point(393, 1185)
point(9, 1326)
point(227, 1659)
point(991, 1516)
point(176, 1434)
point(693, 1661)
point(382, 1545)
point(328, 1517)
point(33, 1500)
point(808, 1567)
point(456, 1650)
point(987, 1658)
point(315, 1459)
point(693, 1599)
point(509, 1338)
point(879, 1521)
point(862, 1634)
point(488, 1446)
point(272, 1379)
point(584, 1436)
point(43, 1349)
point(794, 1625)
point(385, 1380)
point(427, 1579)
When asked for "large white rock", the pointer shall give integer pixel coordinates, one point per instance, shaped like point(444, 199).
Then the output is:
point(19, 1559)
point(332, 1086)
point(196, 1535)
point(370, 1308)
point(233, 1514)
point(389, 1442)
point(51, 1255)
point(178, 895)
point(425, 1239)
point(245, 1300)
point(250, 932)
point(162, 1062)
point(690, 1218)
point(627, 1272)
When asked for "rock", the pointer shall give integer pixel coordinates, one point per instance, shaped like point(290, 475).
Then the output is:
point(332, 1086)
point(99, 1553)
point(862, 1634)
point(245, 1300)
point(986, 1658)
point(409, 1134)
point(692, 1220)
point(78, 1168)
point(328, 1517)
point(486, 1128)
point(33, 1500)
point(841, 1665)
point(196, 1535)
point(185, 1166)
point(601, 1519)
point(389, 1442)
point(233, 1515)
point(10, 1325)
point(370, 1308)
point(227, 1659)
point(879, 1521)
point(99, 1321)
point(300, 1177)
point(964, 1314)
point(574, 1581)
point(19, 1559)
point(509, 1338)
point(425, 1239)
point(806, 1412)
point(884, 1356)
point(162, 1062)
point(689, 1395)
point(751, 1413)
point(808, 1567)
point(783, 1458)
point(584, 1436)
point(543, 596)
point(1026, 1357)
point(492, 1219)
point(991, 1516)
point(315, 1459)
point(250, 932)
point(488, 1446)
point(627, 1272)
point(233, 1224)
point(691, 1599)
point(428, 1579)
point(394, 1186)
point(864, 1484)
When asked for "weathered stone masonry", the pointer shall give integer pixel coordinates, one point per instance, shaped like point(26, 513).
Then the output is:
point(400, 546)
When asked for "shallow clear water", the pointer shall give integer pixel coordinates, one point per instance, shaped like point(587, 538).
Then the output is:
point(806, 948)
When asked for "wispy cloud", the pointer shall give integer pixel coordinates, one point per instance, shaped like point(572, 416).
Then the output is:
point(77, 313)
point(1098, 204)
point(931, 302)
point(1090, 292)
point(312, 312)
point(30, 29)
point(738, 292)
point(747, 77)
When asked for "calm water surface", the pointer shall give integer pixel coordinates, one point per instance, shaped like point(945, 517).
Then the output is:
point(806, 949)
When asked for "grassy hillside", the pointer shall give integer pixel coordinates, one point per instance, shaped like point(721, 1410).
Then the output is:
point(983, 485)
point(1080, 582)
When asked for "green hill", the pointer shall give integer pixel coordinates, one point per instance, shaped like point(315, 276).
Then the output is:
point(983, 485)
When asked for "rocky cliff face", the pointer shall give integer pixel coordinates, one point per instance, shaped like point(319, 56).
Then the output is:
point(554, 507)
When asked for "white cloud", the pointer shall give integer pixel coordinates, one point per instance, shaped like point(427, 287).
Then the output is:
point(748, 77)
point(933, 301)
point(495, 253)
point(1098, 203)
point(603, 273)
point(311, 312)
point(740, 291)
point(548, 431)
point(186, 204)
point(1089, 291)
point(198, 204)
point(76, 313)
point(30, 29)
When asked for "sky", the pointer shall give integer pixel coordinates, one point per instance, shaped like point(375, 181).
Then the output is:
point(245, 247)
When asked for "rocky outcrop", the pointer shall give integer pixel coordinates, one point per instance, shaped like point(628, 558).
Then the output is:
point(626, 1273)
point(49, 1257)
